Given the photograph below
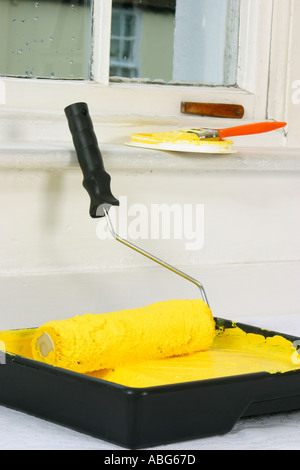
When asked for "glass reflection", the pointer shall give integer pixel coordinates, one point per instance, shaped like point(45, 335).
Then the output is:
point(194, 41)
point(46, 38)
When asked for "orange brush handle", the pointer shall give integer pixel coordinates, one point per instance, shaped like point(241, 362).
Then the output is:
point(247, 129)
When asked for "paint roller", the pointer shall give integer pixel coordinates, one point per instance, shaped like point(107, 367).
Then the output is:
point(91, 342)
point(104, 341)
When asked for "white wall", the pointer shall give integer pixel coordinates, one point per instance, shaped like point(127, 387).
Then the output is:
point(54, 266)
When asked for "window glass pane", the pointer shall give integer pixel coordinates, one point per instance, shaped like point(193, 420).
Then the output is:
point(185, 41)
point(45, 38)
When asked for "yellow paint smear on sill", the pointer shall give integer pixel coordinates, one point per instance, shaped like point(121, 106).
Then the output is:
point(181, 141)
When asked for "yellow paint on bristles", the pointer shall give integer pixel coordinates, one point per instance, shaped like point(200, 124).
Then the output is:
point(183, 140)
point(174, 137)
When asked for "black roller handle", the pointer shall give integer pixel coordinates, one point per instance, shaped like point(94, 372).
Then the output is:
point(95, 179)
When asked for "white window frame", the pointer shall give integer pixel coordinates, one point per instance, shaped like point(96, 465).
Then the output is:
point(253, 63)
point(136, 104)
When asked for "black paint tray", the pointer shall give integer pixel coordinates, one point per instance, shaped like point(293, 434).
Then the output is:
point(143, 417)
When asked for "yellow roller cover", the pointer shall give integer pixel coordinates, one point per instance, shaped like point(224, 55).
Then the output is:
point(103, 341)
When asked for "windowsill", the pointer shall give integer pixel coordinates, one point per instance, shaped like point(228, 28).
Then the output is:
point(118, 157)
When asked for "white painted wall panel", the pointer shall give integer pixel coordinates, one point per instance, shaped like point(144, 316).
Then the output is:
point(53, 265)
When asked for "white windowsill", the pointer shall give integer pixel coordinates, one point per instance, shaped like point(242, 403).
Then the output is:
point(121, 157)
